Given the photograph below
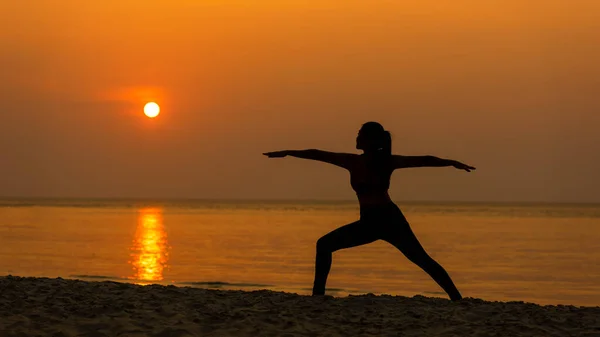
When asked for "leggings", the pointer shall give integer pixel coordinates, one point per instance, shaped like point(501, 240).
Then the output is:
point(382, 222)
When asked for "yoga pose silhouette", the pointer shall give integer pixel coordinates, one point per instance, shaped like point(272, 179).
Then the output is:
point(380, 218)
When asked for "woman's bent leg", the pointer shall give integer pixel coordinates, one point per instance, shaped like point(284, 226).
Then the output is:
point(351, 235)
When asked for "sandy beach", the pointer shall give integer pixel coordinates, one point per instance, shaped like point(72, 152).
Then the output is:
point(61, 307)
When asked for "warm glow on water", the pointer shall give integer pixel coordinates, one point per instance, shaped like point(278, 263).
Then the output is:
point(149, 250)
point(547, 254)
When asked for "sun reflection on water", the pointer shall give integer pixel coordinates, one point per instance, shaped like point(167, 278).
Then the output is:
point(149, 252)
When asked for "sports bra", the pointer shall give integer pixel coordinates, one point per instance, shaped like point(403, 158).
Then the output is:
point(371, 183)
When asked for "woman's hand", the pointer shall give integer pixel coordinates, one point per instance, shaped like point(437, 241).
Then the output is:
point(462, 166)
point(276, 154)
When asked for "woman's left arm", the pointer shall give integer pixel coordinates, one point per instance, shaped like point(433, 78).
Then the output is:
point(427, 161)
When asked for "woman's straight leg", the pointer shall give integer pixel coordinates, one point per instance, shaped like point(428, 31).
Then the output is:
point(402, 237)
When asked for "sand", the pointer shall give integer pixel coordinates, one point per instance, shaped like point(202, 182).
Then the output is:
point(60, 307)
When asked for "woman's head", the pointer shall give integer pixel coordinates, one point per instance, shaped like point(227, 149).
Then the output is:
point(372, 137)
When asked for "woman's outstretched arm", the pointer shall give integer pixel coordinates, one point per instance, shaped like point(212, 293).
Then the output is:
point(427, 161)
point(339, 159)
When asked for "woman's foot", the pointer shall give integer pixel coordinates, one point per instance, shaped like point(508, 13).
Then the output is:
point(318, 292)
point(456, 298)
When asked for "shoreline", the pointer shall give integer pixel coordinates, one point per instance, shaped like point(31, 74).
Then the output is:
point(69, 307)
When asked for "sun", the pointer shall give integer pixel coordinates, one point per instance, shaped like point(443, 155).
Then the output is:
point(151, 109)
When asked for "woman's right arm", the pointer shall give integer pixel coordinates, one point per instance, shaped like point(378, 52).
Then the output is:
point(338, 159)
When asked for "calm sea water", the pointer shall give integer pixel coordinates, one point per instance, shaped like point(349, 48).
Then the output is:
point(547, 254)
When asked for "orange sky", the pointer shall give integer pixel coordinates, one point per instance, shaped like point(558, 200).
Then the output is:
point(508, 86)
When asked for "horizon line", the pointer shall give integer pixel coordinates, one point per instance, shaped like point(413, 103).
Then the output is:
point(415, 201)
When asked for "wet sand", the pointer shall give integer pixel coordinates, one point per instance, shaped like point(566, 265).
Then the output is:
point(60, 307)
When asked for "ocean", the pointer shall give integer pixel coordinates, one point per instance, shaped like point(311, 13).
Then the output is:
point(541, 253)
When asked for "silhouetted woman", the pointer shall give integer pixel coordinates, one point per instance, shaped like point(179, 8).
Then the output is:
point(380, 218)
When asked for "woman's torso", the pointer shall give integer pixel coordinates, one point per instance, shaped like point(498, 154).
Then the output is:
point(370, 179)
